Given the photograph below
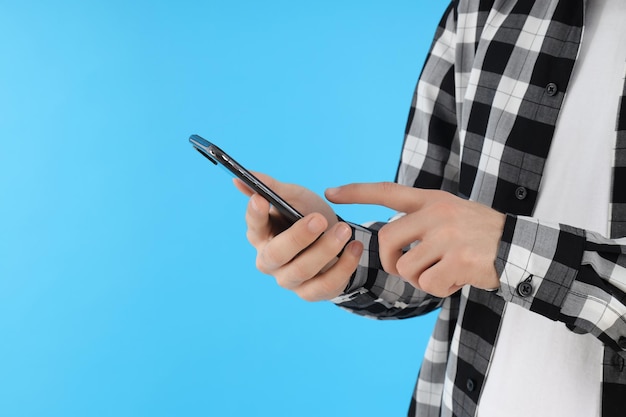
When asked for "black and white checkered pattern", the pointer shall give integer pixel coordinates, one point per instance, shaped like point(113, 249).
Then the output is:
point(480, 126)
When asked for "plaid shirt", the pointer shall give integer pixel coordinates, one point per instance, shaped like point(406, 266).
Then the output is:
point(480, 126)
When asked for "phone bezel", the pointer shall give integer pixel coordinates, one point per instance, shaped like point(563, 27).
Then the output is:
point(217, 156)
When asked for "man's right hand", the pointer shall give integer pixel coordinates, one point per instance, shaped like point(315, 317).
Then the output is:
point(302, 257)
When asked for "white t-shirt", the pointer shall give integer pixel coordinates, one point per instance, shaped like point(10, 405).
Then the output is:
point(539, 368)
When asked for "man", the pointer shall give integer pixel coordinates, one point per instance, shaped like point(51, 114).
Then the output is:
point(516, 114)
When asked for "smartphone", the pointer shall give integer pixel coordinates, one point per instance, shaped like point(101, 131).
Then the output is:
point(219, 157)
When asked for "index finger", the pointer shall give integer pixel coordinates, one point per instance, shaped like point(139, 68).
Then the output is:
point(389, 194)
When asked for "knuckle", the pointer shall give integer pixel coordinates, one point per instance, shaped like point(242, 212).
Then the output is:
point(270, 256)
point(295, 273)
point(325, 287)
point(298, 271)
point(261, 266)
point(387, 188)
point(451, 234)
point(300, 235)
point(434, 285)
point(404, 269)
point(307, 295)
point(466, 258)
point(297, 240)
point(251, 237)
point(328, 290)
point(443, 208)
point(384, 235)
point(283, 282)
point(430, 286)
point(335, 283)
point(447, 231)
point(424, 284)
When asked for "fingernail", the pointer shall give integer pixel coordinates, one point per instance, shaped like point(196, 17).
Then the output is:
point(316, 225)
point(356, 249)
point(332, 191)
point(254, 204)
point(343, 232)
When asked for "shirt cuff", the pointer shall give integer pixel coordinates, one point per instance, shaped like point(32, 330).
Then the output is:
point(537, 263)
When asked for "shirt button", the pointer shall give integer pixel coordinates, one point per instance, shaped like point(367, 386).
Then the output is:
point(521, 193)
point(622, 343)
point(524, 289)
point(552, 89)
point(470, 385)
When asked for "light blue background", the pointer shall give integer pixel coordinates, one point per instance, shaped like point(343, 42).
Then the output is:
point(127, 287)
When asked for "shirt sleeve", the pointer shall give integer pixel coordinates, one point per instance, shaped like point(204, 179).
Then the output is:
point(428, 160)
point(376, 294)
point(566, 274)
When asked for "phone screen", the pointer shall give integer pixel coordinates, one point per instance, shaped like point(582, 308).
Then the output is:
point(221, 158)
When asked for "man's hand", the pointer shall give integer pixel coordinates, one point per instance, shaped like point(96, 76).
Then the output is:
point(302, 257)
point(458, 239)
